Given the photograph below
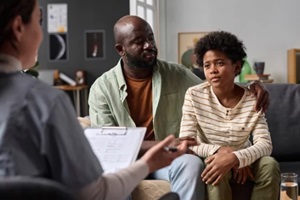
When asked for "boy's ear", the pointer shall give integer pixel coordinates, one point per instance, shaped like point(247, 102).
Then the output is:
point(238, 67)
point(119, 49)
point(17, 28)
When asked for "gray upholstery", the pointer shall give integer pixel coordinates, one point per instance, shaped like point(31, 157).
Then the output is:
point(283, 117)
point(20, 188)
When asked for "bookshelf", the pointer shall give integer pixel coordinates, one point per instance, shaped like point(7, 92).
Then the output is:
point(259, 77)
point(293, 65)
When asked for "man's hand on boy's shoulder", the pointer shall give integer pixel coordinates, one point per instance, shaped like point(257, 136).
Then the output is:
point(258, 89)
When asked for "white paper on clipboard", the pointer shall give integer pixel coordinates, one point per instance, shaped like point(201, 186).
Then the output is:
point(115, 147)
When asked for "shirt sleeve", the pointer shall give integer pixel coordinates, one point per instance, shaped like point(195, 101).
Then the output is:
point(262, 144)
point(116, 186)
point(190, 127)
point(99, 111)
point(70, 157)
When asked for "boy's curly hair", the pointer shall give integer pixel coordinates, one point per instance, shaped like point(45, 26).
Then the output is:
point(221, 41)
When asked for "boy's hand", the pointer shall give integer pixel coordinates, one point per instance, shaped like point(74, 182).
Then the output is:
point(217, 166)
point(241, 175)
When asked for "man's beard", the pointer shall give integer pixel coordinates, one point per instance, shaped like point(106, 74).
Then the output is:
point(138, 62)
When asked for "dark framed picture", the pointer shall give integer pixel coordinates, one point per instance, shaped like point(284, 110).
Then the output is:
point(80, 77)
point(94, 44)
point(58, 47)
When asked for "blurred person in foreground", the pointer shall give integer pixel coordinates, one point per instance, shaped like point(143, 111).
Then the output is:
point(39, 132)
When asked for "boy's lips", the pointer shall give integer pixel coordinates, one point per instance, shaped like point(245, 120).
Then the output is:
point(215, 79)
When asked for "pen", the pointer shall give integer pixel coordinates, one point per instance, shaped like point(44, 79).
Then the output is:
point(170, 148)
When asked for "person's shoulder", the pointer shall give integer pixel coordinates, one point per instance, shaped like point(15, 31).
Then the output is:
point(39, 94)
point(202, 88)
point(170, 66)
point(45, 91)
point(247, 94)
point(177, 70)
point(35, 85)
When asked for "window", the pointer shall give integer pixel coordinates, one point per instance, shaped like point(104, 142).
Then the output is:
point(145, 9)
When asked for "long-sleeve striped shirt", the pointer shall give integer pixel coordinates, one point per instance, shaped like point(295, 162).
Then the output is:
point(215, 125)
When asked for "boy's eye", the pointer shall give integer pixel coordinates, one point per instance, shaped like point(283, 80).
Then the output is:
point(220, 63)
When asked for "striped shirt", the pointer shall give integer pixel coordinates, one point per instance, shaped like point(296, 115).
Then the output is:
point(215, 125)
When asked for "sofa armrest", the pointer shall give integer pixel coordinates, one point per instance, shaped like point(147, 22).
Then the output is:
point(84, 122)
point(151, 190)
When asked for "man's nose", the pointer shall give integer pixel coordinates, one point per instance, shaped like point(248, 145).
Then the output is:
point(148, 44)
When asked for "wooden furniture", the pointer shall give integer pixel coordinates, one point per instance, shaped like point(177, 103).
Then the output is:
point(293, 64)
point(264, 78)
point(80, 97)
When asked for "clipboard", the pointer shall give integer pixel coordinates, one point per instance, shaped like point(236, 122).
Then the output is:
point(115, 147)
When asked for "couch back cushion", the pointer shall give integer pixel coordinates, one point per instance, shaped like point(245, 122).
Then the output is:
point(283, 117)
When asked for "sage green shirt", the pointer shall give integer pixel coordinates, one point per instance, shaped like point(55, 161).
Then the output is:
point(108, 105)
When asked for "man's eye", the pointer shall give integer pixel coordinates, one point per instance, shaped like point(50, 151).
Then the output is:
point(139, 41)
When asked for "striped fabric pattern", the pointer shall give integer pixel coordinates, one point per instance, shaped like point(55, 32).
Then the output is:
point(215, 125)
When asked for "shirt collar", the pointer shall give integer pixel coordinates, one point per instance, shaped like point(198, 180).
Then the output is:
point(9, 64)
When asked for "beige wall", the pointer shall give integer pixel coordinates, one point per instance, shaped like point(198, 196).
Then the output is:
point(268, 28)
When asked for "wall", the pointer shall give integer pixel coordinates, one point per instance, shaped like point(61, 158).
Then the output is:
point(84, 15)
point(268, 28)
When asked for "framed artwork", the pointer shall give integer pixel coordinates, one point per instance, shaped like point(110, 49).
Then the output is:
point(186, 42)
point(58, 47)
point(94, 44)
point(80, 77)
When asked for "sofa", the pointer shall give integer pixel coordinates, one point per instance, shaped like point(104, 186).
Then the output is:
point(283, 117)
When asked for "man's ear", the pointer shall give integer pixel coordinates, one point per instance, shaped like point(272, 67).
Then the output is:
point(17, 28)
point(119, 49)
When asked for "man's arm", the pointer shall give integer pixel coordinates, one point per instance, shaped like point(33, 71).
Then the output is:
point(258, 89)
point(99, 111)
point(146, 145)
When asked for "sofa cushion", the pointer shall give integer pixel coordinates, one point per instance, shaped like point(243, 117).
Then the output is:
point(283, 120)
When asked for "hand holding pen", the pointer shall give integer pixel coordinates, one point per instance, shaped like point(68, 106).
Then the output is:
point(163, 153)
point(190, 140)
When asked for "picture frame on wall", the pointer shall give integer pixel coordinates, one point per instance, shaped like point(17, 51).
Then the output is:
point(58, 47)
point(80, 76)
point(94, 44)
point(186, 43)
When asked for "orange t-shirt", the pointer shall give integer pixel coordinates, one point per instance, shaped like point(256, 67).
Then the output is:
point(139, 101)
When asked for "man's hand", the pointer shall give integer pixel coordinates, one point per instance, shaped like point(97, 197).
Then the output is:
point(157, 157)
point(241, 175)
point(191, 141)
point(262, 95)
point(146, 145)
